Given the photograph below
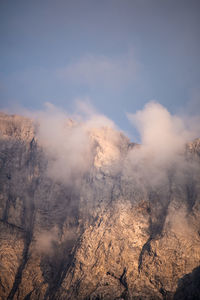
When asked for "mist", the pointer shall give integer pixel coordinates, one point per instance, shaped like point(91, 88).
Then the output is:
point(45, 239)
point(75, 143)
point(70, 141)
point(163, 139)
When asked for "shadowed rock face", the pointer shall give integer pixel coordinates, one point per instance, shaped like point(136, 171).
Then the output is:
point(189, 286)
point(108, 235)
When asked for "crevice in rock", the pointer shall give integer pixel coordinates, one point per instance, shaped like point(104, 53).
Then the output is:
point(28, 221)
point(158, 212)
point(28, 296)
point(18, 276)
point(122, 278)
point(6, 210)
point(60, 271)
point(165, 294)
point(57, 277)
point(146, 247)
point(13, 226)
point(191, 194)
point(1, 284)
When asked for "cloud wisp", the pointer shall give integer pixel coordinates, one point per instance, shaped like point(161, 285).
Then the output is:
point(101, 71)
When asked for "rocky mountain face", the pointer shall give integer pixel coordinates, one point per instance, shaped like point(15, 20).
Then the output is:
point(109, 232)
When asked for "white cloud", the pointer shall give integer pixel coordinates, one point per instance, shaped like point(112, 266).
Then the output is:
point(161, 132)
point(163, 139)
point(69, 141)
point(65, 142)
point(75, 143)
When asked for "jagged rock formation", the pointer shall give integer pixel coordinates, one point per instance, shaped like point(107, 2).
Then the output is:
point(107, 236)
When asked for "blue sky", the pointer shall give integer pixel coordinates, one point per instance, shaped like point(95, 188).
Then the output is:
point(119, 54)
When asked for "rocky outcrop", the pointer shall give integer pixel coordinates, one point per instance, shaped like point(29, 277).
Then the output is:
point(107, 235)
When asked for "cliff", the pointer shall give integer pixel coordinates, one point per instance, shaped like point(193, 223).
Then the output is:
point(99, 224)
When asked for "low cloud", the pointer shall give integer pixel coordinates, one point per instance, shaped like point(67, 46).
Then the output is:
point(162, 134)
point(70, 140)
point(163, 139)
point(76, 143)
point(65, 142)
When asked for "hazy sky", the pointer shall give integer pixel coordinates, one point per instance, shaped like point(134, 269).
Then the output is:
point(119, 54)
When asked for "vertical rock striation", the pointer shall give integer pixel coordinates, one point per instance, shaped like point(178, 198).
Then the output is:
point(107, 236)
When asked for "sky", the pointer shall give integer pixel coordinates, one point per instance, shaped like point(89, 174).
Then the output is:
point(115, 54)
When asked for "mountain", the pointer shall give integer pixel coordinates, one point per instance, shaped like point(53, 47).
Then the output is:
point(85, 216)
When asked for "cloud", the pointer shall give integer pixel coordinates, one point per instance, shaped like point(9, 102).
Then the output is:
point(161, 133)
point(163, 140)
point(65, 143)
point(74, 143)
point(44, 240)
point(101, 71)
